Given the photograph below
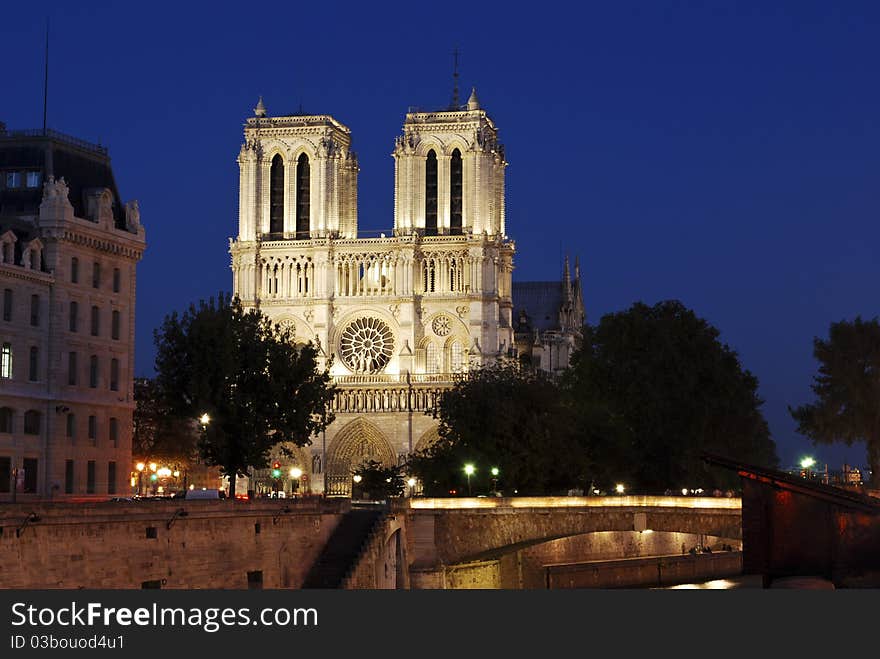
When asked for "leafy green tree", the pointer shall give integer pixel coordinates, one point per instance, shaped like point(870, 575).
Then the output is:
point(509, 417)
point(257, 387)
point(665, 389)
point(377, 481)
point(847, 389)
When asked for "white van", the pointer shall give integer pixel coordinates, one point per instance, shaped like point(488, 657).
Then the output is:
point(203, 493)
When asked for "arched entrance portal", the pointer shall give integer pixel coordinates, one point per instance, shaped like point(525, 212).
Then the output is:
point(358, 442)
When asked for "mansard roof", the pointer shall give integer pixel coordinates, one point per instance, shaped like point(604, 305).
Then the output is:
point(83, 166)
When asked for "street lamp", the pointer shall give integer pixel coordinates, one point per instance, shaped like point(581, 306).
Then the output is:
point(806, 463)
point(619, 488)
point(295, 473)
point(494, 472)
point(205, 419)
point(412, 483)
point(469, 470)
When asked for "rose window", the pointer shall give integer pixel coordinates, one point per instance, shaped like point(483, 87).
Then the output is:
point(441, 325)
point(288, 324)
point(366, 345)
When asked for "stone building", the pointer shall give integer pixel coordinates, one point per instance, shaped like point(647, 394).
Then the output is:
point(68, 254)
point(549, 320)
point(396, 318)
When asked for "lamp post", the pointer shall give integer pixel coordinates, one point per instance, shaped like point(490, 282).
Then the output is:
point(140, 466)
point(469, 470)
point(806, 464)
point(357, 479)
point(494, 472)
point(295, 473)
point(412, 484)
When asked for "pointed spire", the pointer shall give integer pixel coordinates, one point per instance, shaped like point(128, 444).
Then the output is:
point(566, 281)
point(260, 110)
point(577, 268)
point(455, 102)
point(473, 102)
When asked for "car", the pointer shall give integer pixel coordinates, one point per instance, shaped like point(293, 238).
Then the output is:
point(205, 493)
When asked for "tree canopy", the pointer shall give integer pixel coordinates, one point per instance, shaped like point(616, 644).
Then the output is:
point(847, 390)
point(257, 387)
point(508, 417)
point(157, 432)
point(665, 390)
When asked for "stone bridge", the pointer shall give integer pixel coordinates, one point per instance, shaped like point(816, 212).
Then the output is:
point(424, 537)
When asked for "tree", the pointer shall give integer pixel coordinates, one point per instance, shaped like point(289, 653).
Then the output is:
point(379, 482)
point(847, 389)
point(666, 390)
point(257, 387)
point(509, 417)
point(157, 433)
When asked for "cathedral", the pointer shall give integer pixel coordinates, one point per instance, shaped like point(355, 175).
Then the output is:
point(397, 318)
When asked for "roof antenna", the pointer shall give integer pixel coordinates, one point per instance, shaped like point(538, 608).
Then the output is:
point(455, 101)
point(46, 78)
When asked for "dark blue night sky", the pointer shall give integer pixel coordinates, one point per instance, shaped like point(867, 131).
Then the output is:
point(723, 154)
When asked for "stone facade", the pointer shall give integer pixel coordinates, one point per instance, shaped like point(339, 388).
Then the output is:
point(68, 275)
point(398, 317)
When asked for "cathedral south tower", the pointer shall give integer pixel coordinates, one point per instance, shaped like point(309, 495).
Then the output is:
point(396, 318)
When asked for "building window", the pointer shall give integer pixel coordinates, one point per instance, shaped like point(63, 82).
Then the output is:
point(13, 179)
point(114, 432)
point(456, 358)
point(6, 361)
point(35, 310)
point(90, 477)
point(93, 371)
point(71, 368)
point(68, 477)
point(7, 304)
point(303, 208)
point(114, 375)
point(455, 193)
point(276, 195)
point(117, 276)
point(30, 475)
point(96, 275)
point(6, 419)
point(34, 364)
point(33, 179)
point(114, 325)
point(433, 359)
point(431, 194)
point(111, 478)
point(74, 316)
point(71, 426)
point(96, 318)
point(74, 270)
point(93, 429)
point(5, 474)
point(31, 422)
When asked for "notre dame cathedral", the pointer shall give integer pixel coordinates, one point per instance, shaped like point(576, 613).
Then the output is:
point(399, 317)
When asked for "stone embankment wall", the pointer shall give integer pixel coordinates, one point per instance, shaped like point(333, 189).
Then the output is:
point(174, 544)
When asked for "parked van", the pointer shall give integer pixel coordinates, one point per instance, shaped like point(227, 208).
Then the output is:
point(204, 494)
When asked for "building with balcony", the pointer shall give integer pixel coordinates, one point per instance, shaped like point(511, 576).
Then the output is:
point(69, 248)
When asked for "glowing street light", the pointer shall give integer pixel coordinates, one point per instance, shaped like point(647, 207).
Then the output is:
point(140, 466)
point(205, 419)
point(469, 470)
point(619, 488)
point(807, 462)
point(153, 466)
point(295, 473)
point(494, 471)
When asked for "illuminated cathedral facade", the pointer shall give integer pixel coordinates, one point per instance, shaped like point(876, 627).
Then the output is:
point(397, 318)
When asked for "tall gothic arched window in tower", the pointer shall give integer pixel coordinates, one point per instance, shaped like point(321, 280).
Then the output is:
point(431, 194)
point(276, 195)
point(302, 197)
point(455, 193)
